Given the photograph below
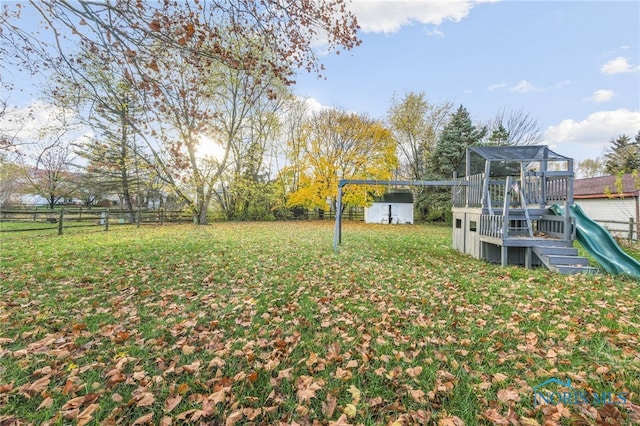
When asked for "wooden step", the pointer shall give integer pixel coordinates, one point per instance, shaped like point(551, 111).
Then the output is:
point(563, 260)
point(568, 269)
point(558, 250)
point(567, 260)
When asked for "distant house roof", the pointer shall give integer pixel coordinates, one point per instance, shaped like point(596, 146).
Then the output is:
point(605, 187)
point(395, 197)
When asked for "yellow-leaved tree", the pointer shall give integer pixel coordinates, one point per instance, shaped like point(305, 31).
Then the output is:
point(340, 145)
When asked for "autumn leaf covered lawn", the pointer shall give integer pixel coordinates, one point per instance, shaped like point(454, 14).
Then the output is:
point(262, 323)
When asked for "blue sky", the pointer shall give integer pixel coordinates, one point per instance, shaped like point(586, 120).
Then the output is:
point(574, 66)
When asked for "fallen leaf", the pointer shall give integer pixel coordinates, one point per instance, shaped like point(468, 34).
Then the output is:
point(495, 417)
point(350, 410)
point(146, 400)
point(46, 403)
point(451, 421)
point(355, 394)
point(414, 371)
point(342, 421)
point(307, 388)
point(329, 407)
point(144, 420)
point(39, 385)
point(508, 395)
point(234, 417)
point(87, 414)
point(171, 402)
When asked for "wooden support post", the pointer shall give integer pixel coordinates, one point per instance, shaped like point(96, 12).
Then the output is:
point(60, 219)
point(504, 255)
point(138, 218)
point(527, 257)
point(505, 208)
point(337, 233)
point(106, 220)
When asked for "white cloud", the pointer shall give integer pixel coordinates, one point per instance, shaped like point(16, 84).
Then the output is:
point(597, 129)
point(388, 16)
point(526, 87)
point(29, 124)
point(600, 96)
point(314, 105)
point(41, 122)
point(618, 65)
point(496, 86)
point(523, 87)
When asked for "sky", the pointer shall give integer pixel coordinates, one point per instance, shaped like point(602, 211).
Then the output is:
point(573, 66)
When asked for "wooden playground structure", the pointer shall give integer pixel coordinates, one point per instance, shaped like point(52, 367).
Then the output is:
point(502, 207)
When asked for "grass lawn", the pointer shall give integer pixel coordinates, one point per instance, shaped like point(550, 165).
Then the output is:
point(261, 323)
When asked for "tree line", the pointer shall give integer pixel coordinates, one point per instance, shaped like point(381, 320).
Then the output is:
point(192, 105)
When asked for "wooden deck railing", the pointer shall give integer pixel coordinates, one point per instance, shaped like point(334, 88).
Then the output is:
point(491, 225)
point(553, 226)
point(556, 189)
point(548, 225)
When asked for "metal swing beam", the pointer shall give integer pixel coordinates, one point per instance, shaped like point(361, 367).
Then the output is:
point(337, 234)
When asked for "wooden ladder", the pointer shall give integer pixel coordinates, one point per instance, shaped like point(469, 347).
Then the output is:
point(518, 215)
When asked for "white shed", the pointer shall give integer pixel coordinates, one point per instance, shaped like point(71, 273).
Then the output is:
point(391, 208)
point(611, 201)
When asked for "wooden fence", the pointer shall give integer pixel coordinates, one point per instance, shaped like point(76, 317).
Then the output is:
point(622, 229)
point(29, 219)
point(24, 220)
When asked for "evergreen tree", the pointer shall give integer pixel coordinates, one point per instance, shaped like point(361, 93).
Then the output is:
point(448, 157)
point(457, 136)
point(623, 155)
point(499, 136)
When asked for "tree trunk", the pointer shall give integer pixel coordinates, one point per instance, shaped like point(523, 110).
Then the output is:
point(124, 156)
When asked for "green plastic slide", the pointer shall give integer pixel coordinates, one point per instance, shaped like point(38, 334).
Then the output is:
point(597, 241)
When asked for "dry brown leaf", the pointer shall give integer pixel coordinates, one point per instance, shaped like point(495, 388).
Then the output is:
point(307, 388)
point(87, 414)
point(146, 400)
point(219, 396)
point(73, 403)
point(46, 403)
point(171, 402)
point(329, 407)
point(414, 371)
point(499, 377)
point(147, 419)
point(39, 385)
point(417, 395)
point(192, 368)
point(451, 421)
point(342, 421)
point(355, 394)
point(508, 395)
point(527, 421)
point(234, 418)
point(495, 417)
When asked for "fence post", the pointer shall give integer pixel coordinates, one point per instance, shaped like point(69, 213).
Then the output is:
point(106, 220)
point(138, 218)
point(161, 216)
point(631, 229)
point(60, 221)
